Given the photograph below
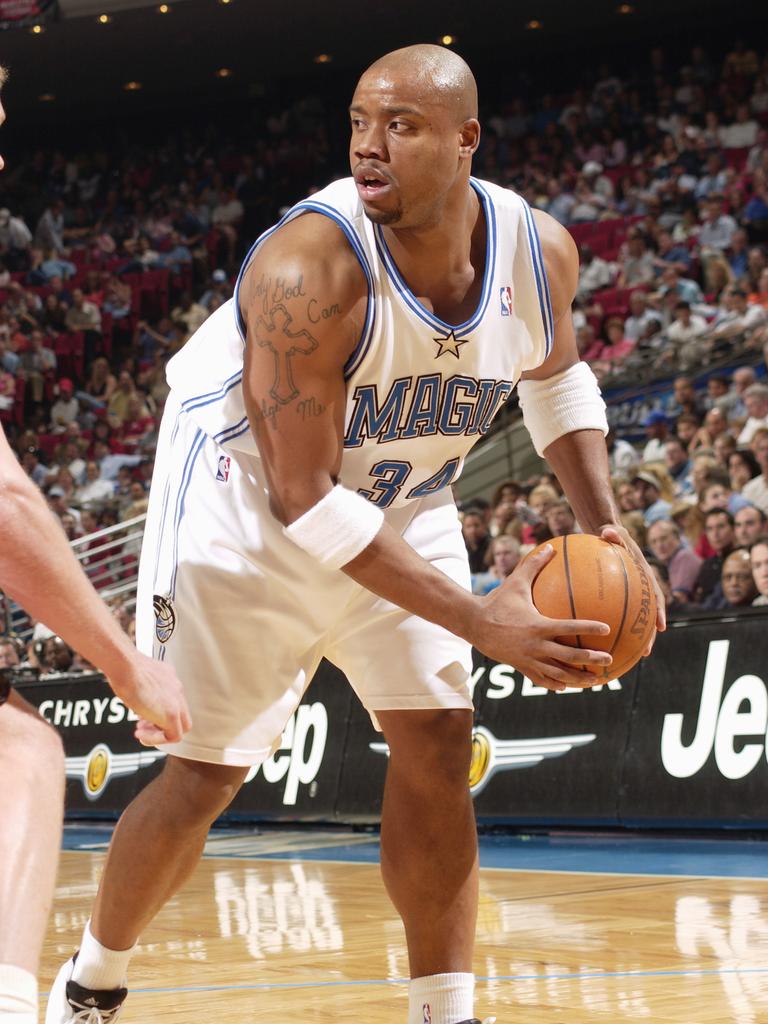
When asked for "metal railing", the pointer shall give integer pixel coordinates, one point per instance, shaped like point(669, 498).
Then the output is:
point(110, 559)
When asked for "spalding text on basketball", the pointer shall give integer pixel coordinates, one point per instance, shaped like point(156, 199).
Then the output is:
point(721, 725)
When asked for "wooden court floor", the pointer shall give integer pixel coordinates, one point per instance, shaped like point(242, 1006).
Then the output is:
point(255, 939)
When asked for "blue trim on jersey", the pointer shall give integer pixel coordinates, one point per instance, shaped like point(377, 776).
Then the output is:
point(186, 476)
point(540, 273)
point(313, 206)
point(431, 319)
point(166, 495)
point(198, 401)
point(230, 433)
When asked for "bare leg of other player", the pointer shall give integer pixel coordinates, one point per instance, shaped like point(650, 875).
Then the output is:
point(428, 837)
point(157, 844)
point(31, 807)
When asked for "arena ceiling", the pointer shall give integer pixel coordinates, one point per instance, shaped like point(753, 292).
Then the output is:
point(79, 67)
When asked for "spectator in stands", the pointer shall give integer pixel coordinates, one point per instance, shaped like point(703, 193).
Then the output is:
point(560, 202)
point(756, 405)
point(66, 408)
point(736, 590)
point(95, 491)
point(122, 395)
point(756, 491)
point(718, 528)
point(37, 365)
point(684, 399)
point(666, 543)
point(717, 493)
point(718, 228)
point(737, 322)
point(560, 519)
point(137, 505)
point(83, 315)
point(188, 315)
point(657, 431)
point(758, 556)
point(625, 495)
point(640, 316)
point(732, 402)
point(674, 289)
point(477, 540)
point(227, 217)
point(742, 467)
point(219, 286)
point(678, 466)
point(622, 457)
point(49, 233)
point(594, 272)
point(648, 497)
point(57, 657)
point(636, 260)
point(9, 655)
point(748, 524)
point(505, 555)
point(713, 180)
point(675, 607)
point(688, 334)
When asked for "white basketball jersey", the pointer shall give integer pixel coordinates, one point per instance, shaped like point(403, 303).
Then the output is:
point(420, 392)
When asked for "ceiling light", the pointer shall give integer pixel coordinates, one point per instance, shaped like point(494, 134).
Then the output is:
point(104, 19)
point(533, 24)
point(132, 86)
point(224, 73)
point(37, 30)
point(323, 58)
point(225, 3)
point(447, 40)
point(163, 9)
point(626, 9)
point(46, 97)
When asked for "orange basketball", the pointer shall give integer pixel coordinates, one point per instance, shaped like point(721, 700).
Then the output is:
point(588, 578)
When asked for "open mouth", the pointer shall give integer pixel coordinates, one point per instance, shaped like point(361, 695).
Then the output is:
point(371, 185)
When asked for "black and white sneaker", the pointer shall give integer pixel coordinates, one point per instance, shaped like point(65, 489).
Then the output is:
point(70, 1003)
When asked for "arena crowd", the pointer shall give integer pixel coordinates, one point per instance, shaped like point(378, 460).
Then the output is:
point(111, 259)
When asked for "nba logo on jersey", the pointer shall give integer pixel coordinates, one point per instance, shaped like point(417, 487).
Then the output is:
point(505, 294)
point(426, 1009)
point(222, 473)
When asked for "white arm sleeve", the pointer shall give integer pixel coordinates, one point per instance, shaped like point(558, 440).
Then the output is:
point(568, 401)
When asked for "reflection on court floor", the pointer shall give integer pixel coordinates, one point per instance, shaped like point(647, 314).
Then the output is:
point(294, 924)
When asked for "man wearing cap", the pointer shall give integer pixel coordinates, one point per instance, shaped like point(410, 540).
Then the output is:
point(657, 431)
point(648, 497)
point(66, 408)
point(219, 286)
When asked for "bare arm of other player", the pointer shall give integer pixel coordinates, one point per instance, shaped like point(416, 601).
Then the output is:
point(39, 571)
point(304, 301)
point(579, 459)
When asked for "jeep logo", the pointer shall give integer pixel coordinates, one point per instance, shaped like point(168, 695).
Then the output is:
point(721, 724)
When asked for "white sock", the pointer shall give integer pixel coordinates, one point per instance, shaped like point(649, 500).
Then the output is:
point(98, 967)
point(441, 999)
point(18, 995)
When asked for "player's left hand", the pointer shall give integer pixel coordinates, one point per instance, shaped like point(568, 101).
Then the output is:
point(618, 535)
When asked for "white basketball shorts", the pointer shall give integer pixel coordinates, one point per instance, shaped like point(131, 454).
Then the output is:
point(245, 615)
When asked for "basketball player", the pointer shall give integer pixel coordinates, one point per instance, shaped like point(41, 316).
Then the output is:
point(38, 569)
point(301, 507)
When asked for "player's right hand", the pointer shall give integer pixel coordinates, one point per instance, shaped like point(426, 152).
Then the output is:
point(512, 631)
point(152, 689)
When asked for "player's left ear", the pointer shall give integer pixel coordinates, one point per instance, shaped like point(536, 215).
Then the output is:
point(469, 137)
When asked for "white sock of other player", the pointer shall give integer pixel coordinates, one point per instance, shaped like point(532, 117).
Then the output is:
point(98, 967)
point(18, 995)
point(441, 999)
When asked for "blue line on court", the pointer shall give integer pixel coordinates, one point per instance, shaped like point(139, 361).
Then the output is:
point(590, 975)
point(619, 854)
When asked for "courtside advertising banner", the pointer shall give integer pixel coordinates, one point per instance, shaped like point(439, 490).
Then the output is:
point(679, 741)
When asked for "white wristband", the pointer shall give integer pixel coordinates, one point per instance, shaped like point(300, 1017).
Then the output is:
point(337, 528)
point(568, 401)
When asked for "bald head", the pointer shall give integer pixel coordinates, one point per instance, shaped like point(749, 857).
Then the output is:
point(434, 74)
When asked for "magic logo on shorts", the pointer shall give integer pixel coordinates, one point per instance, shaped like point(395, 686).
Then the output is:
point(222, 470)
point(165, 618)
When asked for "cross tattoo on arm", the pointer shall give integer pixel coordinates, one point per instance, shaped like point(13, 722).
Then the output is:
point(275, 328)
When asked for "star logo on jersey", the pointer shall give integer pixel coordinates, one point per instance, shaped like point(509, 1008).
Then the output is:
point(450, 344)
